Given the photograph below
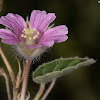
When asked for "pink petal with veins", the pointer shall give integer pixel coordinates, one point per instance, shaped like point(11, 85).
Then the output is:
point(8, 37)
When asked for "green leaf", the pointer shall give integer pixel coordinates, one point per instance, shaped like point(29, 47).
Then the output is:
point(58, 68)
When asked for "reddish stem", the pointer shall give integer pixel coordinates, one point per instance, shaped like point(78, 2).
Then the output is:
point(49, 89)
point(42, 86)
point(24, 85)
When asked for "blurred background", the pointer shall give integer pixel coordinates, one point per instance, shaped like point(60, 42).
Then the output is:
point(82, 17)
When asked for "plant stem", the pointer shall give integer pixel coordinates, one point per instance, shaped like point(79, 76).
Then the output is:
point(1, 2)
point(15, 93)
point(2, 72)
point(8, 67)
point(15, 89)
point(7, 86)
point(40, 91)
point(24, 85)
point(49, 89)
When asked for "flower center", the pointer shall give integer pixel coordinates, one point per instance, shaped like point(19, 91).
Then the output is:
point(30, 35)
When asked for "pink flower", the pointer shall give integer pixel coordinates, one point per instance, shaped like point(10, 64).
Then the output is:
point(33, 34)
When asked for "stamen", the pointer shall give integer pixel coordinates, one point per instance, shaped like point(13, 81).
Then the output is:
point(34, 29)
point(31, 31)
point(23, 36)
point(28, 33)
point(30, 38)
point(37, 33)
point(34, 37)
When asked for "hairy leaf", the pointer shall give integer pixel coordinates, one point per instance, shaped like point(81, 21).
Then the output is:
point(58, 68)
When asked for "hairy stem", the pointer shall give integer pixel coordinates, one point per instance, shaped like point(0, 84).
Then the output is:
point(40, 92)
point(49, 89)
point(24, 85)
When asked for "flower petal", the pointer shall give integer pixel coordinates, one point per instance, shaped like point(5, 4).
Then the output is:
point(58, 30)
point(40, 20)
point(10, 42)
point(14, 22)
point(50, 17)
point(36, 18)
point(8, 37)
point(47, 43)
point(56, 34)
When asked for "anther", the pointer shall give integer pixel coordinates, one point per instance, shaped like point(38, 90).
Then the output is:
point(34, 29)
point(22, 35)
point(25, 36)
point(30, 38)
point(37, 33)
